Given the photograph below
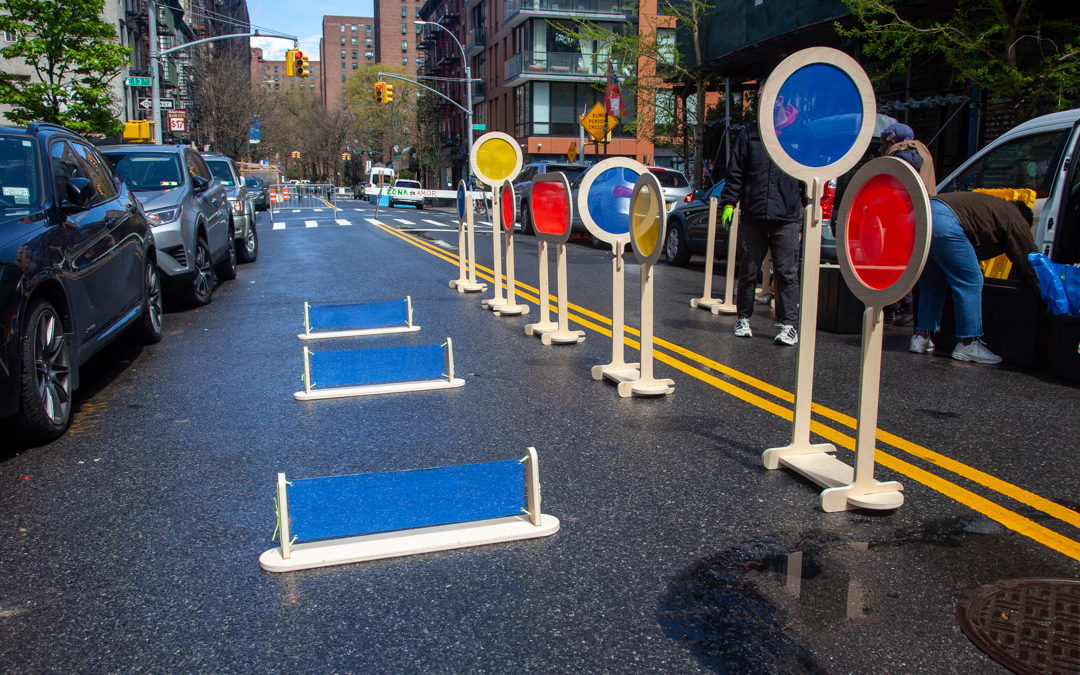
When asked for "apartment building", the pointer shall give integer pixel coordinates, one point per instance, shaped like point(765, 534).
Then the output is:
point(396, 34)
point(347, 42)
point(535, 81)
point(271, 75)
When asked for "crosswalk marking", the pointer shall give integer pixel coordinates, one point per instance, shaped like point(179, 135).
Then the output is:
point(403, 221)
point(435, 222)
point(343, 222)
point(279, 226)
point(296, 210)
point(310, 223)
point(317, 210)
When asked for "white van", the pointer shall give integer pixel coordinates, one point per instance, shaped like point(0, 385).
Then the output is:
point(1040, 154)
point(379, 179)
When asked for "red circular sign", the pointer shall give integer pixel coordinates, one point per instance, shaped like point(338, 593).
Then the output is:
point(880, 233)
point(506, 199)
point(550, 207)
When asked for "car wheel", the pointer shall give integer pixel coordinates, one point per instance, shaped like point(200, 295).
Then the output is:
point(676, 251)
point(149, 327)
point(226, 269)
point(526, 219)
point(248, 249)
point(202, 284)
point(46, 374)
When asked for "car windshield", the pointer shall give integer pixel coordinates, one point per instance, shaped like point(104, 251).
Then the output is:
point(670, 179)
point(145, 171)
point(220, 169)
point(20, 179)
point(408, 184)
point(253, 183)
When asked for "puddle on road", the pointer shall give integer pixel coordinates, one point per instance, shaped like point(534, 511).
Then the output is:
point(770, 606)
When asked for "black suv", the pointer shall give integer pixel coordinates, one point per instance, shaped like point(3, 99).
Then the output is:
point(523, 185)
point(77, 266)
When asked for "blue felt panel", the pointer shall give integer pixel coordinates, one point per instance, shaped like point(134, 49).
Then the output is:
point(348, 368)
point(342, 506)
point(362, 315)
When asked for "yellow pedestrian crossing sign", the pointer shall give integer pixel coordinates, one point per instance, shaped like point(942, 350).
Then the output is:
point(593, 121)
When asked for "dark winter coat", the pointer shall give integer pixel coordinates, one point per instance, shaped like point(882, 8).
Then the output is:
point(762, 191)
point(994, 226)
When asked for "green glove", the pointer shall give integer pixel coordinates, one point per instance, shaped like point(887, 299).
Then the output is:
point(725, 217)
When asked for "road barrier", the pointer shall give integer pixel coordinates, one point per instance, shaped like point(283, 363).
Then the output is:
point(358, 319)
point(336, 520)
point(365, 372)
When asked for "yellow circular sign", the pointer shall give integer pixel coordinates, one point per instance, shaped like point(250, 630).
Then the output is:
point(647, 218)
point(496, 158)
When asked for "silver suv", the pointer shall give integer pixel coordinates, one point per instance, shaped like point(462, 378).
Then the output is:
point(523, 185)
point(189, 212)
point(241, 208)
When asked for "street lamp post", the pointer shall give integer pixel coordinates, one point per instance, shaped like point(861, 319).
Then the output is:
point(468, 88)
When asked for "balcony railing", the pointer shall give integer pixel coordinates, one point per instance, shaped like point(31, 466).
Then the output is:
point(555, 64)
point(477, 40)
point(479, 92)
point(612, 10)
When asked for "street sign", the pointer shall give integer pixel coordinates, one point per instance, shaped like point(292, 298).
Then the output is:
point(178, 121)
point(137, 81)
point(479, 127)
point(594, 121)
point(166, 103)
point(571, 152)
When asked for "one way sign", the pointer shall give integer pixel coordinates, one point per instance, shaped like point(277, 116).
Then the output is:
point(146, 104)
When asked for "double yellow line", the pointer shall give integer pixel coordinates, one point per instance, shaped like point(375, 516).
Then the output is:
point(765, 396)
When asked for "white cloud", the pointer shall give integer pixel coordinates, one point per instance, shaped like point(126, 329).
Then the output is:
point(274, 48)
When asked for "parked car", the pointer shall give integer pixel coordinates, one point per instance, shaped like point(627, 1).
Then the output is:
point(241, 211)
point(77, 268)
point(523, 186)
point(397, 194)
point(688, 228)
point(189, 212)
point(676, 188)
point(1040, 154)
point(259, 191)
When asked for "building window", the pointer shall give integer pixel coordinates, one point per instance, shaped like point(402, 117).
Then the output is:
point(354, 28)
point(342, 27)
point(419, 29)
point(343, 65)
point(368, 28)
point(343, 40)
point(404, 60)
point(419, 61)
point(354, 42)
point(342, 78)
point(369, 55)
point(355, 65)
point(404, 45)
point(343, 54)
point(354, 54)
point(9, 36)
point(404, 11)
point(275, 69)
point(417, 12)
point(369, 43)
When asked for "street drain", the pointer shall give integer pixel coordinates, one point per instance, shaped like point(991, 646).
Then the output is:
point(1027, 625)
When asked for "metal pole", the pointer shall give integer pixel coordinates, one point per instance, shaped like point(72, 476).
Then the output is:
point(155, 86)
point(468, 90)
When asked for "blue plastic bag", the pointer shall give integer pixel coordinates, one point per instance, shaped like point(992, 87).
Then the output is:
point(1059, 285)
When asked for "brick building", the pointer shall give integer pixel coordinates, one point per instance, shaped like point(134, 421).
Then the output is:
point(347, 42)
point(271, 75)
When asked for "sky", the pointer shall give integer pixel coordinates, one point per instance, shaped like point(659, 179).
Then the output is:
point(302, 19)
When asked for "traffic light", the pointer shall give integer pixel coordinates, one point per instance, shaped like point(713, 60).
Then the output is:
point(346, 156)
point(380, 92)
point(388, 94)
point(290, 63)
point(296, 154)
point(302, 67)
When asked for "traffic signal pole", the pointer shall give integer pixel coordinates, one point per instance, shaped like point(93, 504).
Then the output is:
point(156, 54)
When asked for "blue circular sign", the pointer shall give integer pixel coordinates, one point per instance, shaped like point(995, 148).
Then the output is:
point(609, 199)
point(461, 197)
point(817, 114)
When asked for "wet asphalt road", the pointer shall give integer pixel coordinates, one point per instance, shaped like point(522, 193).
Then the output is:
point(131, 544)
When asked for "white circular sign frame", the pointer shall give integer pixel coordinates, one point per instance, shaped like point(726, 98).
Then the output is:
point(583, 197)
point(920, 202)
point(779, 76)
point(479, 143)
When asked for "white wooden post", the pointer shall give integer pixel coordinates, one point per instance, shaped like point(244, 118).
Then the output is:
point(545, 324)
point(618, 370)
point(283, 517)
point(562, 336)
point(497, 300)
point(532, 486)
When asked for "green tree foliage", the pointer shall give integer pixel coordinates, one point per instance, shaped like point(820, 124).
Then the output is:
point(1023, 51)
point(74, 55)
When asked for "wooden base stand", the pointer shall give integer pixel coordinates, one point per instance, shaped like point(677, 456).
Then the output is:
point(706, 301)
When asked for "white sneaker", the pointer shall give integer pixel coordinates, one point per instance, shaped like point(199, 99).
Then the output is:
point(742, 328)
point(786, 336)
point(920, 344)
point(976, 352)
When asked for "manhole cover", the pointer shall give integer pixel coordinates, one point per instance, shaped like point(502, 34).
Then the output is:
point(1027, 625)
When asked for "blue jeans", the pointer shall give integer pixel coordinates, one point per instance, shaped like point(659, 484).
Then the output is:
point(951, 264)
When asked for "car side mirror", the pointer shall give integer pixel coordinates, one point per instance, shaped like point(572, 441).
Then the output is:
point(200, 183)
point(80, 192)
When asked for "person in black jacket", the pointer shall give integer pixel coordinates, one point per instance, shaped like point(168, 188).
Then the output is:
point(770, 206)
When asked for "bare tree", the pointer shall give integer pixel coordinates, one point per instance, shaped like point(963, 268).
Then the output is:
point(225, 102)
